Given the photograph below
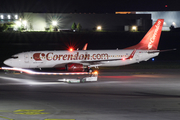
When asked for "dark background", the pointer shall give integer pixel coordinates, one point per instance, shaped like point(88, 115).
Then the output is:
point(85, 6)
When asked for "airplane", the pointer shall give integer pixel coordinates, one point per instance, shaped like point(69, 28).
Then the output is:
point(81, 60)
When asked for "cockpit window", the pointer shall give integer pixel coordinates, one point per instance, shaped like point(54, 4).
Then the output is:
point(14, 57)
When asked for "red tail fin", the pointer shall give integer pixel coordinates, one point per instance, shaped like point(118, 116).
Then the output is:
point(151, 39)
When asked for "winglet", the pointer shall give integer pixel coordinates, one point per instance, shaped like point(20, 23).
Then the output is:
point(132, 54)
point(158, 51)
point(85, 46)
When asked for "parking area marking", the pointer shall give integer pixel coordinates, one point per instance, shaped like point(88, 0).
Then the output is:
point(30, 112)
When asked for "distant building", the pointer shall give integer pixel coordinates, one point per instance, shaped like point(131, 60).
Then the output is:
point(170, 18)
point(64, 21)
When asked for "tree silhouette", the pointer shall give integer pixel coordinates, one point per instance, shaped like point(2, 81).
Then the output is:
point(79, 27)
point(73, 27)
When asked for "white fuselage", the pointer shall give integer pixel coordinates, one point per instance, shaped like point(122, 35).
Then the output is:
point(90, 58)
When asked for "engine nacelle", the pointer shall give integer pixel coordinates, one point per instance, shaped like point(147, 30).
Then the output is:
point(74, 67)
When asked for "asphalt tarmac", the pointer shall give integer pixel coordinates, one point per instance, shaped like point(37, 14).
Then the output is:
point(143, 94)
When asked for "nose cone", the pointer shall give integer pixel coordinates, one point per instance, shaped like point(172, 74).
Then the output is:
point(8, 62)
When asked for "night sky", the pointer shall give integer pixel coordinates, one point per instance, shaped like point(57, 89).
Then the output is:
point(87, 6)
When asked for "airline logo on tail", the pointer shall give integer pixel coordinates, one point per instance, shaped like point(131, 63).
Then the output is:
point(152, 39)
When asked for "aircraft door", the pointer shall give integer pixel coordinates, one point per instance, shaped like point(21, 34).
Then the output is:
point(86, 56)
point(137, 57)
point(26, 57)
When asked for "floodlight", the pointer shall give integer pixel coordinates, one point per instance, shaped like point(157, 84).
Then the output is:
point(99, 28)
point(2, 17)
point(16, 16)
point(165, 23)
point(54, 23)
point(18, 23)
point(24, 22)
point(134, 28)
point(9, 17)
point(174, 23)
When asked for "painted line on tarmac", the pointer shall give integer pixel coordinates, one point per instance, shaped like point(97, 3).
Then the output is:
point(114, 82)
point(59, 119)
point(148, 76)
point(6, 118)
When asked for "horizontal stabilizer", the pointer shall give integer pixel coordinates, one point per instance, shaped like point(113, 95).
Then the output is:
point(157, 51)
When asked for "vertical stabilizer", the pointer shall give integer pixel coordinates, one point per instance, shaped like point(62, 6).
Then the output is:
point(151, 39)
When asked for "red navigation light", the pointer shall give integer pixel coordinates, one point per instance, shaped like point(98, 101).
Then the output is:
point(70, 49)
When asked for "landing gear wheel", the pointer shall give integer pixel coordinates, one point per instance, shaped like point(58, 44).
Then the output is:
point(90, 70)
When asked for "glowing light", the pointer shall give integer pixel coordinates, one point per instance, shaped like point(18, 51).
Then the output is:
point(71, 49)
point(24, 22)
point(41, 73)
point(99, 28)
point(9, 17)
point(16, 16)
point(173, 23)
point(165, 23)
point(124, 59)
point(153, 59)
point(123, 12)
point(134, 28)
point(18, 23)
point(54, 23)
point(95, 72)
point(2, 17)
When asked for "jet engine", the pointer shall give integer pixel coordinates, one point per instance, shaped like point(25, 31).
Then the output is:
point(74, 67)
